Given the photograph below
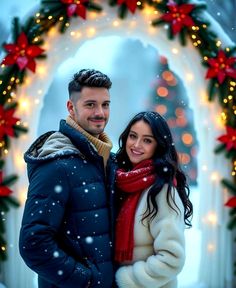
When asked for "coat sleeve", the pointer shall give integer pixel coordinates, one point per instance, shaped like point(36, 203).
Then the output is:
point(43, 215)
point(167, 230)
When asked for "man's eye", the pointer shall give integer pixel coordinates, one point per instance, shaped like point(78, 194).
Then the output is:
point(90, 105)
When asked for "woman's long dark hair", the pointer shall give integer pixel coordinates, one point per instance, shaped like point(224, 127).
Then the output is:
point(166, 164)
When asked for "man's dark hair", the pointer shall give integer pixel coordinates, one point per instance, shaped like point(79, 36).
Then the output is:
point(88, 78)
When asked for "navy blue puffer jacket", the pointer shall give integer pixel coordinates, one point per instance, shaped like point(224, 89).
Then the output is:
point(67, 228)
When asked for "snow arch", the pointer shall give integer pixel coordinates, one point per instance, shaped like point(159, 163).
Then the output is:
point(186, 63)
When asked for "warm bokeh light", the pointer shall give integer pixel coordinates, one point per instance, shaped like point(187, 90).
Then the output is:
point(211, 247)
point(184, 158)
point(204, 168)
point(214, 176)
point(24, 104)
point(212, 218)
point(179, 112)
point(173, 82)
point(187, 138)
point(161, 109)
point(162, 91)
point(193, 151)
point(171, 122)
point(91, 32)
point(175, 51)
point(168, 76)
point(181, 122)
point(116, 23)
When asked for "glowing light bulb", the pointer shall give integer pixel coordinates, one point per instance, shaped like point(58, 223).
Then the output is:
point(115, 23)
point(214, 176)
point(24, 105)
point(204, 168)
point(212, 218)
point(41, 70)
point(91, 32)
point(175, 51)
point(211, 247)
point(189, 77)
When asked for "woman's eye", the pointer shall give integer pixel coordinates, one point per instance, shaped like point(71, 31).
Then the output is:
point(132, 136)
point(148, 141)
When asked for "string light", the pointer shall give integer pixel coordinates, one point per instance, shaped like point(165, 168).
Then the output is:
point(24, 104)
point(189, 77)
point(41, 70)
point(115, 23)
point(91, 32)
point(212, 218)
point(204, 168)
point(214, 176)
point(211, 247)
point(175, 51)
point(36, 101)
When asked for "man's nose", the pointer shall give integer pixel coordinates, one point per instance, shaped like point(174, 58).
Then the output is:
point(99, 111)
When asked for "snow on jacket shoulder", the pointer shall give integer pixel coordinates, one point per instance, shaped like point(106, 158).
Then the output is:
point(66, 233)
point(159, 248)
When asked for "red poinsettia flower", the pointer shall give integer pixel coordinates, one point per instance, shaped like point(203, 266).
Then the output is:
point(231, 202)
point(7, 121)
point(76, 7)
point(4, 190)
point(221, 66)
point(22, 53)
point(131, 4)
point(229, 139)
point(178, 16)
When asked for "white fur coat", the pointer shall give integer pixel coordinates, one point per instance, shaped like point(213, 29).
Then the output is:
point(159, 247)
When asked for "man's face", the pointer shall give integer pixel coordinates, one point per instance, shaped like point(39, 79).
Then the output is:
point(91, 109)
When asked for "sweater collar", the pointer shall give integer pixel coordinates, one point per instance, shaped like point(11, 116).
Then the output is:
point(102, 144)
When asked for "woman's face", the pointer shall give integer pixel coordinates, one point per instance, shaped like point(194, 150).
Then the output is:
point(140, 144)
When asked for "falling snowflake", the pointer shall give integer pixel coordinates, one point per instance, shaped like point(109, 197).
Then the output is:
point(60, 272)
point(89, 240)
point(58, 189)
point(56, 254)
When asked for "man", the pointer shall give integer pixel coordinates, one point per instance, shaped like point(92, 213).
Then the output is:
point(66, 234)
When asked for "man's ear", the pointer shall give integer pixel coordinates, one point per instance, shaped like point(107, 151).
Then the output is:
point(70, 108)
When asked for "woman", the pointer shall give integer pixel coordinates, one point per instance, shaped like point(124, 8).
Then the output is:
point(155, 205)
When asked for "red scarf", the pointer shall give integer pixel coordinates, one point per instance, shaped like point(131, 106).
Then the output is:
point(133, 183)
